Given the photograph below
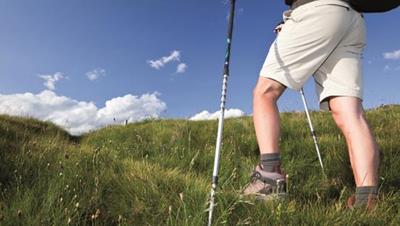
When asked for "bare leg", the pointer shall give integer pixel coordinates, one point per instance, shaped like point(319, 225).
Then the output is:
point(266, 123)
point(266, 114)
point(363, 150)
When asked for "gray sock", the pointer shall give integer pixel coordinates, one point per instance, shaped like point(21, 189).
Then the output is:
point(362, 194)
point(270, 162)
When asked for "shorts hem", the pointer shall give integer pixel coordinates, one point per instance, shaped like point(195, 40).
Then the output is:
point(323, 99)
point(290, 84)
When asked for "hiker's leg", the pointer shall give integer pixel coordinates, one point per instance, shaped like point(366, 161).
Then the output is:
point(308, 37)
point(364, 156)
point(266, 114)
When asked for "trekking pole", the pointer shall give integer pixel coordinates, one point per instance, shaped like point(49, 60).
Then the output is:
point(222, 112)
point(312, 130)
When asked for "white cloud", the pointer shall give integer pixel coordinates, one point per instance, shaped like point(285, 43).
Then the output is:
point(181, 68)
point(95, 74)
point(157, 64)
point(205, 115)
point(131, 108)
point(50, 80)
point(79, 117)
point(394, 55)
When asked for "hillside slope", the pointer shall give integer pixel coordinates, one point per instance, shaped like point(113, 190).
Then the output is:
point(158, 173)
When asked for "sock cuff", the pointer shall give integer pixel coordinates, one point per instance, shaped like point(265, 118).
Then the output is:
point(367, 190)
point(270, 162)
point(270, 157)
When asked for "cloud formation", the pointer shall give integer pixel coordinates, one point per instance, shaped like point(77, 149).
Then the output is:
point(205, 115)
point(95, 74)
point(181, 68)
point(394, 55)
point(78, 117)
point(175, 56)
point(157, 64)
point(51, 80)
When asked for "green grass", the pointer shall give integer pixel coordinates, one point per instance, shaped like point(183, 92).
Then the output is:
point(158, 172)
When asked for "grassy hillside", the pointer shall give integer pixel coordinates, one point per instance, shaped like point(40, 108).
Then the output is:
point(158, 173)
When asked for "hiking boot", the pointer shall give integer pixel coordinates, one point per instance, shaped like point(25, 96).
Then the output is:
point(266, 185)
point(369, 205)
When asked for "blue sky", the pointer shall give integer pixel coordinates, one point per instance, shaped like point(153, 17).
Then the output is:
point(118, 39)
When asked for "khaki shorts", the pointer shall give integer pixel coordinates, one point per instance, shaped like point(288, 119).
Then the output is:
point(324, 39)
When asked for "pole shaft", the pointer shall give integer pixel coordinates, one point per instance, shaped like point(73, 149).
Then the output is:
point(314, 136)
point(222, 113)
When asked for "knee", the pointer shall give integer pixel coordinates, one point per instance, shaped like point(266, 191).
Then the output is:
point(338, 117)
point(267, 91)
point(345, 119)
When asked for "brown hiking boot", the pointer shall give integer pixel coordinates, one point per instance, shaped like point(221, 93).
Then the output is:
point(266, 185)
point(369, 205)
